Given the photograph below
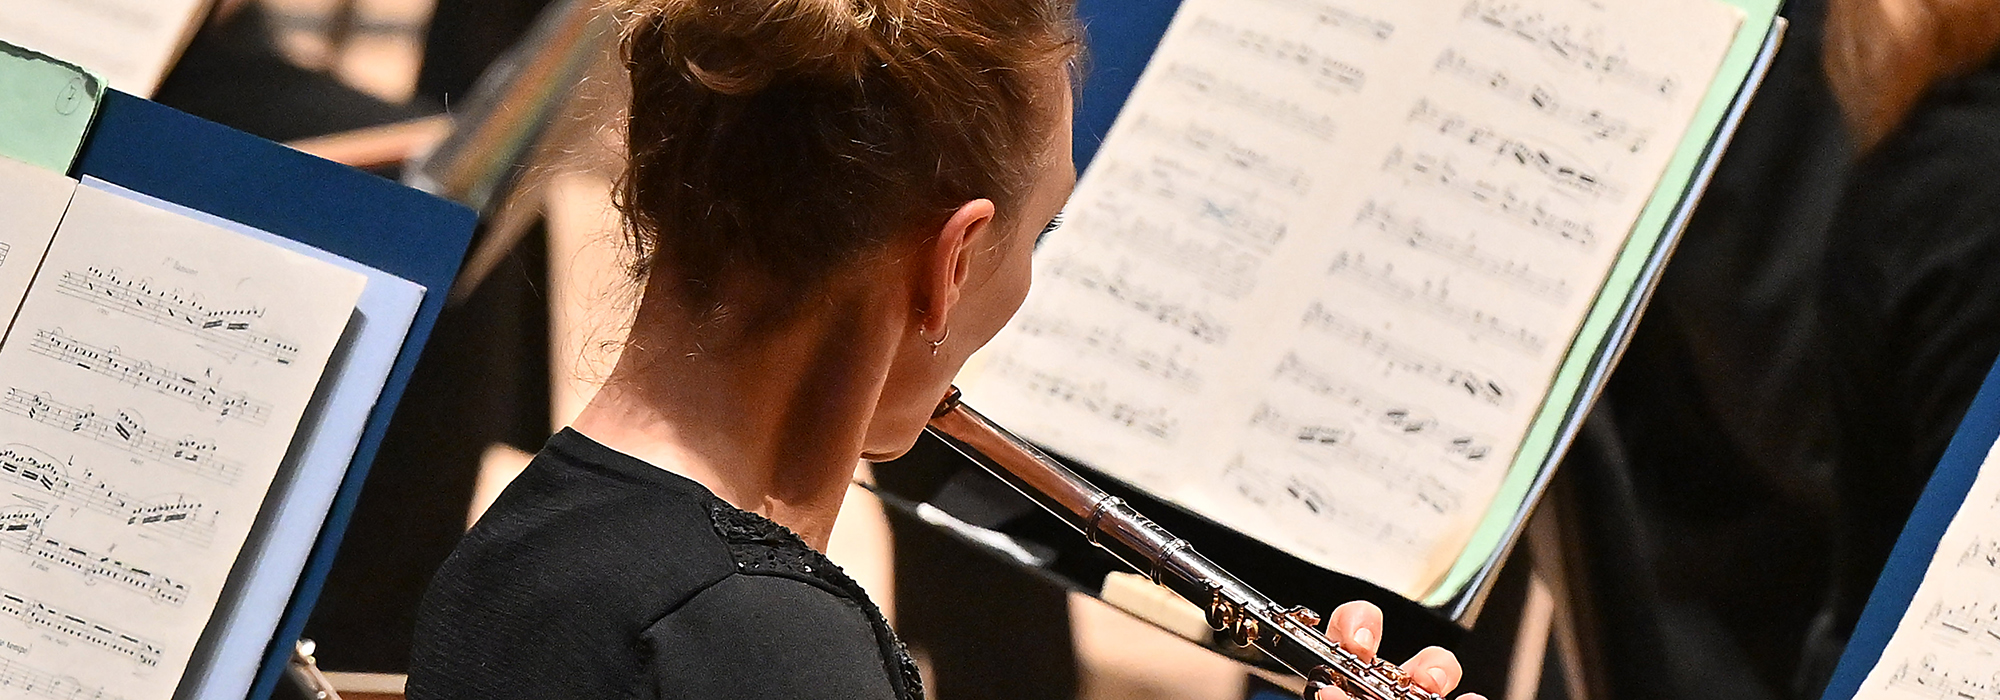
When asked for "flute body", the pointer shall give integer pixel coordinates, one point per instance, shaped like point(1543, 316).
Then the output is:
point(1287, 634)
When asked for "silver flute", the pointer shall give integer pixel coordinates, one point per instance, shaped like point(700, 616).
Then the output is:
point(1290, 635)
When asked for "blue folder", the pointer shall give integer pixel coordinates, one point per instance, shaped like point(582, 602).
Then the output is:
point(1911, 558)
point(167, 154)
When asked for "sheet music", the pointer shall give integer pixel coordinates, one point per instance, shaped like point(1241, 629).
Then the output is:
point(1948, 643)
point(34, 200)
point(131, 43)
point(152, 385)
point(1328, 260)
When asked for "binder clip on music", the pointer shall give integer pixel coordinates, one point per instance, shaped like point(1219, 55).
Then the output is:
point(1289, 635)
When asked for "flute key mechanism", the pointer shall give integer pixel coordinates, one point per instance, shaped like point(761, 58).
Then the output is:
point(1289, 635)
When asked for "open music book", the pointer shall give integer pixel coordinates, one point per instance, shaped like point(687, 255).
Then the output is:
point(1341, 273)
point(152, 380)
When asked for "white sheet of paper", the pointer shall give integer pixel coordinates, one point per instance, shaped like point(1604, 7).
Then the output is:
point(1948, 642)
point(130, 43)
point(158, 371)
point(1329, 258)
point(268, 570)
point(32, 201)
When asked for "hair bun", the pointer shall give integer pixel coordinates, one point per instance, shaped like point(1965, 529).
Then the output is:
point(738, 47)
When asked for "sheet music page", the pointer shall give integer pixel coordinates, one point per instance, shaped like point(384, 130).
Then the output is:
point(157, 373)
point(1326, 264)
point(1948, 642)
point(32, 201)
point(131, 43)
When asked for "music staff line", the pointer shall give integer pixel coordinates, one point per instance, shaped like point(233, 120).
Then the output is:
point(1218, 148)
point(1984, 552)
point(1462, 447)
point(1149, 302)
point(178, 518)
point(125, 431)
point(1328, 74)
point(1344, 18)
point(1560, 169)
point(26, 532)
point(1441, 172)
point(204, 393)
point(1215, 206)
point(1976, 622)
point(1220, 266)
point(1397, 357)
point(1927, 680)
point(1314, 440)
point(1432, 296)
point(1461, 252)
point(1567, 44)
point(28, 679)
point(228, 333)
point(1154, 422)
point(1275, 491)
point(35, 614)
point(1593, 123)
point(1111, 344)
point(1227, 93)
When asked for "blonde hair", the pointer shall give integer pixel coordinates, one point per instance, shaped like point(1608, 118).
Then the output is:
point(1883, 56)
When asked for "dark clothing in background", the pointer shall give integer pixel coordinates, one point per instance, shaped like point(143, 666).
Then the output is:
point(596, 575)
point(1911, 307)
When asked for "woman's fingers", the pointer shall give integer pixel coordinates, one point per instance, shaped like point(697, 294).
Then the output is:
point(1435, 669)
point(1330, 694)
point(1357, 626)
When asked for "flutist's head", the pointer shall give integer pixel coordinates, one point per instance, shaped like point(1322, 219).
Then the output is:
point(831, 205)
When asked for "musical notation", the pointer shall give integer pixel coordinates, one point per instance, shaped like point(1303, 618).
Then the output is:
point(1559, 169)
point(172, 516)
point(1462, 252)
point(3, 252)
point(227, 332)
point(35, 614)
point(1594, 123)
point(1326, 14)
point(1976, 622)
point(1218, 265)
point(1326, 72)
point(1396, 357)
point(1925, 679)
point(1219, 148)
point(1153, 303)
point(24, 532)
point(18, 675)
point(1442, 172)
point(1398, 417)
point(1288, 490)
point(1983, 553)
point(204, 392)
point(1315, 439)
point(124, 430)
point(1432, 296)
point(1170, 365)
point(1239, 216)
point(1230, 94)
point(1094, 397)
point(1570, 45)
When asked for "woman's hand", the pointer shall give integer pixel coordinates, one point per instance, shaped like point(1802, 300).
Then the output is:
point(1358, 628)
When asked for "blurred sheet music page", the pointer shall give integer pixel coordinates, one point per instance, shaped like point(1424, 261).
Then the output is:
point(1948, 642)
point(1318, 281)
point(130, 43)
point(32, 201)
point(154, 380)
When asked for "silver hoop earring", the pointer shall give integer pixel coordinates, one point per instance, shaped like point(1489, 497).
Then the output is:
point(935, 344)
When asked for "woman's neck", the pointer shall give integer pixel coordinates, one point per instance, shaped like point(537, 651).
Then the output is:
point(774, 424)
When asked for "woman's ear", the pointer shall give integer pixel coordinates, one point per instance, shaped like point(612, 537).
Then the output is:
point(945, 264)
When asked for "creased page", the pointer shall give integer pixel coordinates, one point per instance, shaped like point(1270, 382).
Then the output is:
point(157, 373)
point(32, 201)
point(1948, 642)
point(1329, 259)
